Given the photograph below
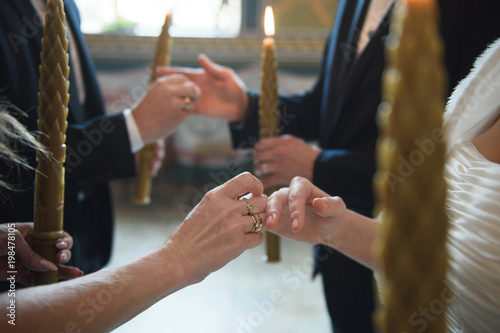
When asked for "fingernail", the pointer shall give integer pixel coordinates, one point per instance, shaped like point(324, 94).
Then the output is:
point(63, 257)
point(269, 219)
point(295, 223)
point(62, 245)
point(48, 265)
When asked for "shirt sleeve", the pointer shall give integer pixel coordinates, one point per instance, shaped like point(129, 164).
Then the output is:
point(136, 142)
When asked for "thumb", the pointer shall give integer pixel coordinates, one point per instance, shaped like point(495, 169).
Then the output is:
point(211, 67)
point(328, 206)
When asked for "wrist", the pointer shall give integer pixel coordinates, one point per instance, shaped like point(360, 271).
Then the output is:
point(337, 237)
point(176, 261)
point(140, 122)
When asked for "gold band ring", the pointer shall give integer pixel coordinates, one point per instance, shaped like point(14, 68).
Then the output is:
point(257, 223)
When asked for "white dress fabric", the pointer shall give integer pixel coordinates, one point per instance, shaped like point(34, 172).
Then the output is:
point(473, 206)
point(473, 202)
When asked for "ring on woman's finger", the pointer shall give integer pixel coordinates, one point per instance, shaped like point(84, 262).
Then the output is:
point(188, 106)
point(257, 223)
point(249, 207)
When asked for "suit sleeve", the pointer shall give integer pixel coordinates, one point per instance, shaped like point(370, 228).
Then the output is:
point(347, 174)
point(99, 150)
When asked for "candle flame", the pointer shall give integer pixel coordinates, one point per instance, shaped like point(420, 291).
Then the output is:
point(269, 22)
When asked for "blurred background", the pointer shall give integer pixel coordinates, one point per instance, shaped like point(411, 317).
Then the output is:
point(121, 35)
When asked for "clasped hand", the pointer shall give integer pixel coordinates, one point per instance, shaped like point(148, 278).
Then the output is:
point(16, 237)
point(219, 228)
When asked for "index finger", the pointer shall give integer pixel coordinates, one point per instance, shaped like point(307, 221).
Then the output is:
point(242, 184)
point(275, 205)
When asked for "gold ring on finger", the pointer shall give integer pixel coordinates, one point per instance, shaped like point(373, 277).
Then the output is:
point(249, 207)
point(257, 223)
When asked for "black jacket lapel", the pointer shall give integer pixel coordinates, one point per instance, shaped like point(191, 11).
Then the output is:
point(343, 53)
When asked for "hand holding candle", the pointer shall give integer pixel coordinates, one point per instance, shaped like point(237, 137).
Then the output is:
point(269, 114)
point(52, 110)
point(142, 193)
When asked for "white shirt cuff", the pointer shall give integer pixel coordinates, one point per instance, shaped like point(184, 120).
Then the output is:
point(134, 135)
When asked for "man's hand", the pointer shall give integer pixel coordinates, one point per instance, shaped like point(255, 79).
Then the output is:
point(164, 107)
point(278, 160)
point(222, 91)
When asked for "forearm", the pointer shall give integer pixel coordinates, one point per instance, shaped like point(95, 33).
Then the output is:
point(355, 239)
point(100, 301)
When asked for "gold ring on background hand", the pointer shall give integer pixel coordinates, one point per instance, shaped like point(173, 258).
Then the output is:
point(265, 170)
point(257, 223)
point(188, 106)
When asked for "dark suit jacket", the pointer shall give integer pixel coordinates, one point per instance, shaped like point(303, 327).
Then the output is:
point(339, 113)
point(98, 145)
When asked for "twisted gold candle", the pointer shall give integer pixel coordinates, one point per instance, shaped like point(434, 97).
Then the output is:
point(52, 111)
point(142, 193)
point(410, 184)
point(269, 115)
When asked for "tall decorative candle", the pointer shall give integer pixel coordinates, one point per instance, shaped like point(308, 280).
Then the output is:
point(142, 193)
point(269, 114)
point(52, 111)
point(410, 184)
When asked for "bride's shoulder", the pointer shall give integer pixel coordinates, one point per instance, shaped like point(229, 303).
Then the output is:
point(474, 104)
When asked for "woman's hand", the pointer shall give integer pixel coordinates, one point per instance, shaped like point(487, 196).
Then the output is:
point(219, 228)
point(304, 212)
point(16, 237)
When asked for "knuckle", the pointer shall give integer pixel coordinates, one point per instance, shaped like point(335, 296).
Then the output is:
point(297, 179)
point(293, 196)
point(211, 195)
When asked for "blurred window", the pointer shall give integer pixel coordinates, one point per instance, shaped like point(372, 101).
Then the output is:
point(191, 18)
